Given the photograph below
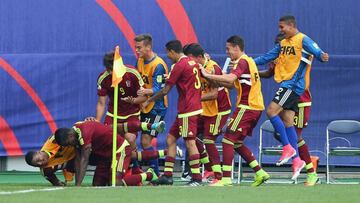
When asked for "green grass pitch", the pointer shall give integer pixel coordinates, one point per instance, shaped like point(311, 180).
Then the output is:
point(23, 188)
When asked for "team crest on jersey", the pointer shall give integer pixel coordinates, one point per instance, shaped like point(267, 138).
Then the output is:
point(191, 133)
point(128, 83)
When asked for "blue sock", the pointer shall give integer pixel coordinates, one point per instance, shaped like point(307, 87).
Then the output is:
point(154, 164)
point(291, 132)
point(280, 128)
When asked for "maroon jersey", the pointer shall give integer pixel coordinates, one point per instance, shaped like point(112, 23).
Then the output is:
point(99, 136)
point(223, 98)
point(243, 68)
point(129, 85)
point(305, 97)
point(186, 75)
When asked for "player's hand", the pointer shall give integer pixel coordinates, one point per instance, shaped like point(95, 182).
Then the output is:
point(204, 73)
point(144, 92)
point(128, 99)
point(165, 77)
point(325, 57)
point(207, 56)
point(90, 119)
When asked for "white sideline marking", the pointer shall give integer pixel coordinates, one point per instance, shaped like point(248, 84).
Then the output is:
point(30, 190)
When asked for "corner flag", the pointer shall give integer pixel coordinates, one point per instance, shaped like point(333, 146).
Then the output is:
point(118, 68)
point(118, 72)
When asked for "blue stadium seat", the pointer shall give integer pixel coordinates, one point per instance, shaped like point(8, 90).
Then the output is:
point(344, 130)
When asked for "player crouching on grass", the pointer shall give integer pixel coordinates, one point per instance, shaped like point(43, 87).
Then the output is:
point(96, 138)
point(51, 158)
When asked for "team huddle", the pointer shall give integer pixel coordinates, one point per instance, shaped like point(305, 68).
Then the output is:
point(203, 110)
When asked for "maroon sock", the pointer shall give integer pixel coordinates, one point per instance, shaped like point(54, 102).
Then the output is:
point(133, 126)
point(147, 155)
point(247, 155)
point(304, 154)
point(194, 162)
point(228, 156)
point(214, 158)
point(169, 166)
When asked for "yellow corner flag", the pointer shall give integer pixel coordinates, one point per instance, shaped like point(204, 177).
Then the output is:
point(118, 72)
point(118, 68)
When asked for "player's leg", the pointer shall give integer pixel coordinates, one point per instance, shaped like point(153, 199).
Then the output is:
point(247, 123)
point(210, 140)
point(283, 99)
point(188, 132)
point(147, 137)
point(148, 155)
point(204, 158)
point(174, 134)
point(297, 163)
point(102, 174)
point(300, 121)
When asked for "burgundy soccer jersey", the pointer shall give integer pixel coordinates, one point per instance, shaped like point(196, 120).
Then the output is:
point(186, 75)
point(100, 138)
point(243, 68)
point(223, 99)
point(129, 85)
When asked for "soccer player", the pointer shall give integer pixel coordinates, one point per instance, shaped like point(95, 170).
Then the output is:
point(96, 138)
point(301, 117)
point(293, 54)
point(152, 68)
point(53, 157)
point(216, 109)
point(245, 78)
point(185, 74)
point(128, 103)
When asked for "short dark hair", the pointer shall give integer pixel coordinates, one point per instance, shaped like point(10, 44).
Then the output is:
point(236, 40)
point(144, 37)
point(108, 60)
point(61, 135)
point(288, 19)
point(29, 157)
point(194, 49)
point(174, 45)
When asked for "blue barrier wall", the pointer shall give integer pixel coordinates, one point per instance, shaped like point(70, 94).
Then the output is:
point(51, 54)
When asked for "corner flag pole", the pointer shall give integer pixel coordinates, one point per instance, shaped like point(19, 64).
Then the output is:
point(117, 74)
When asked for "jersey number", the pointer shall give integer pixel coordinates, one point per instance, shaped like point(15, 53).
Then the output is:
point(122, 91)
point(197, 82)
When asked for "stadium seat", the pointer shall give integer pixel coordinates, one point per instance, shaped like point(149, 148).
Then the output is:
point(269, 146)
point(337, 132)
point(268, 150)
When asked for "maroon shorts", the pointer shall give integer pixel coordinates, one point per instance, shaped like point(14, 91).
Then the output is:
point(243, 121)
point(301, 117)
point(211, 126)
point(185, 127)
point(102, 175)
